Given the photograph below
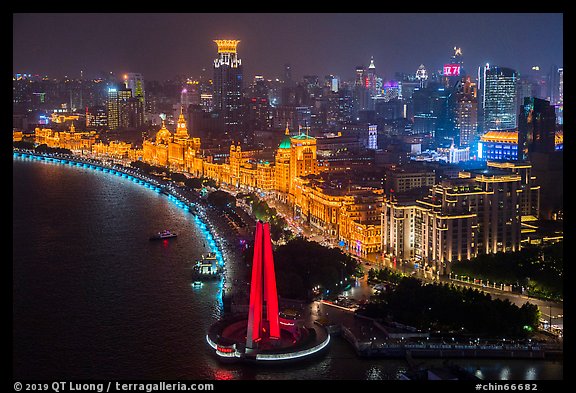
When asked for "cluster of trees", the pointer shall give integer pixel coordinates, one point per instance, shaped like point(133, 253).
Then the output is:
point(23, 145)
point(385, 274)
point(301, 265)
point(537, 268)
point(262, 211)
point(148, 168)
point(43, 148)
point(221, 199)
point(449, 308)
point(191, 182)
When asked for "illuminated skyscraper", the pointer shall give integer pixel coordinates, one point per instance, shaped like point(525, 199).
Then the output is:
point(422, 75)
point(466, 117)
point(227, 86)
point(135, 82)
point(119, 104)
point(499, 106)
point(361, 93)
point(371, 79)
point(536, 127)
point(123, 109)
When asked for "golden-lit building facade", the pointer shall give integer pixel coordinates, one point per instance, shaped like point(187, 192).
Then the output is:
point(337, 214)
point(317, 205)
point(178, 152)
point(360, 223)
point(282, 177)
point(114, 149)
point(265, 176)
point(181, 145)
point(303, 159)
point(72, 140)
point(17, 136)
point(156, 152)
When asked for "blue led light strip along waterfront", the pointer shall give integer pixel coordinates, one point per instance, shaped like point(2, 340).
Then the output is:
point(206, 230)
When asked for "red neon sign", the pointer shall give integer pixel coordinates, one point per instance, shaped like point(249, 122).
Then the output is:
point(451, 69)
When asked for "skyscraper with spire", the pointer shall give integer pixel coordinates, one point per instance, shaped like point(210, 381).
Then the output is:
point(371, 79)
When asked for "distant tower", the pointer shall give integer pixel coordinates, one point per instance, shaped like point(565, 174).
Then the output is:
point(227, 85)
point(536, 127)
point(371, 76)
point(422, 75)
point(499, 106)
point(119, 105)
point(361, 94)
point(181, 129)
point(466, 116)
point(457, 58)
point(184, 99)
point(135, 82)
point(287, 74)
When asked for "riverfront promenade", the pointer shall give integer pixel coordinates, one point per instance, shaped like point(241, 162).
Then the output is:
point(363, 334)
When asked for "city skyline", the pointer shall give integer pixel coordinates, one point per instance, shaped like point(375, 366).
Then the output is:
point(351, 196)
point(312, 43)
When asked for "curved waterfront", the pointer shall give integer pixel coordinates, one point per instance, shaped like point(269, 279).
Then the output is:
point(102, 301)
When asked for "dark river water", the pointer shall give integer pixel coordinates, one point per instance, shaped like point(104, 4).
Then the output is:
point(93, 298)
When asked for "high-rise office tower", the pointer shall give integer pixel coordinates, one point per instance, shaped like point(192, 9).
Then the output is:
point(453, 72)
point(466, 119)
point(556, 91)
point(536, 127)
point(287, 74)
point(372, 79)
point(124, 110)
point(561, 85)
point(499, 105)
point(433, 113)
point(259, 110)
point(361, 94)
point(135, 82)
point(422, 75)
point(227, 86)
point(560, 105)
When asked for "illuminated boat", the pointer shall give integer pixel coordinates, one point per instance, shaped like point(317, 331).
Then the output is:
point(207, 268)
point(165, 234)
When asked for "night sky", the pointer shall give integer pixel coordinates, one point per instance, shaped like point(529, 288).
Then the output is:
point(163, 45)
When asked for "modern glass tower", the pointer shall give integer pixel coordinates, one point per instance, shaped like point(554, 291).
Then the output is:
point(499, 105)
point(135, 82)
point(227, 85)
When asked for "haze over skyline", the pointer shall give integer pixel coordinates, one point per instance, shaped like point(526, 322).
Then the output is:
point(163, 45)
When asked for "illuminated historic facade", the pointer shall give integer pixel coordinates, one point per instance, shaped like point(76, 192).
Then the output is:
point(75, 141)
point(282, 168)
point(350, 217)
point(178, 151)
point(303, 159)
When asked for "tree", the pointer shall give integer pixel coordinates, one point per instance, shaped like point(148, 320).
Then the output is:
point(221, 199)
point(178, 177)
point(23, 145)
point(193, 182)
point(314, 264)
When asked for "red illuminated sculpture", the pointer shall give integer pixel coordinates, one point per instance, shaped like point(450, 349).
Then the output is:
point(263, 310)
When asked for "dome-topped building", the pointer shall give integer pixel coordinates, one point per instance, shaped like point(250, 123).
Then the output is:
point(285, 144)
point(163, 136)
